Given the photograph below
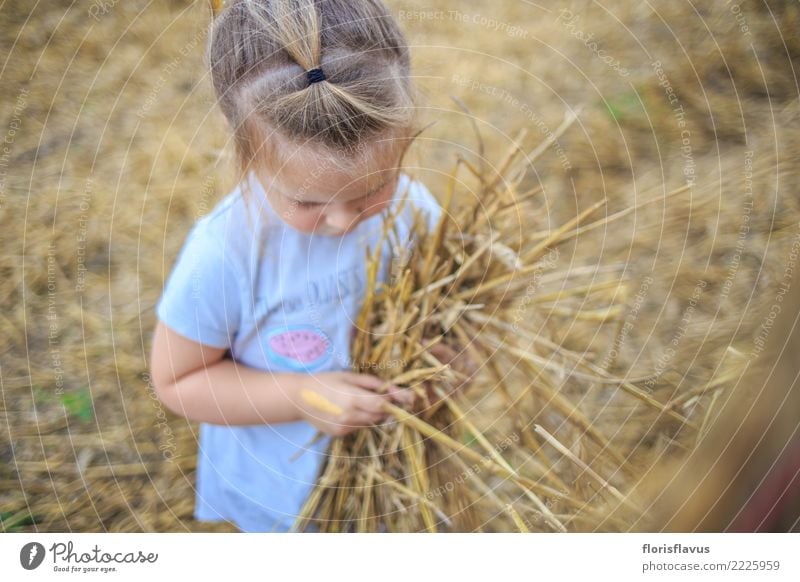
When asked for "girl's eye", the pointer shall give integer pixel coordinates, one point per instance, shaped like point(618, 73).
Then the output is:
point(304, 204)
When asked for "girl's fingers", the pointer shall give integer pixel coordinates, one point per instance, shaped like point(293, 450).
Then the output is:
point(370, 382)
point(370, 403)
point(403, 396)
point(355, 420)
point(460, 362)
point(443, 353)
point(362, 418)
point(373, 402)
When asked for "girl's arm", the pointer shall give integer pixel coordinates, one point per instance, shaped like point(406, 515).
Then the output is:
point(195, 381)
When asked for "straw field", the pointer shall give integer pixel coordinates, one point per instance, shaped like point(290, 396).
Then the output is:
point(652, 227)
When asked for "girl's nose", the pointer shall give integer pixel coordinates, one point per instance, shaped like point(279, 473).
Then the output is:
point(342, 219)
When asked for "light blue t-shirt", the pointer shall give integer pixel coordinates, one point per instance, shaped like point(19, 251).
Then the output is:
point(282, 301)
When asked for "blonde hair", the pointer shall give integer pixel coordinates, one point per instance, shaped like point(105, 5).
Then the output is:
point(260, 50)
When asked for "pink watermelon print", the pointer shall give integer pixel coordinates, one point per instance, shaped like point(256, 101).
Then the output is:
point(299, 347)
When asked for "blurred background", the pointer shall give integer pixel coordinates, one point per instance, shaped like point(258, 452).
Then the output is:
point(112, 148)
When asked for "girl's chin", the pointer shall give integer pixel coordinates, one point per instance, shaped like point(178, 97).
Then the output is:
point(325, 230)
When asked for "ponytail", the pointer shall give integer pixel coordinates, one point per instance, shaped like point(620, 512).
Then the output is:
point(260, 54)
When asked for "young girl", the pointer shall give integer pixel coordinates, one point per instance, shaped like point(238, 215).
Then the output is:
point(256, 318)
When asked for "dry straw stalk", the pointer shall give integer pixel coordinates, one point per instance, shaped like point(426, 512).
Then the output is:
point(521, 447)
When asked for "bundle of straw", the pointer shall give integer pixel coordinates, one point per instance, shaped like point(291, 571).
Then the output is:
point(488, 456)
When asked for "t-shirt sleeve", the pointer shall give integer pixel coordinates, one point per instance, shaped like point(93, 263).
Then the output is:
point(202, 300)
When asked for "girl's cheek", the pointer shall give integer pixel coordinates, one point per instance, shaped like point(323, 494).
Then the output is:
point(385, 203)
point(380, 202)
point(297, 217)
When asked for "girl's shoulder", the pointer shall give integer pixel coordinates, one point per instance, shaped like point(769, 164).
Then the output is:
point(226, 227)
point(244, 207)
point(228, 208)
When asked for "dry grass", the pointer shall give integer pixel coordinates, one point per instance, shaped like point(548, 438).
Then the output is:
point(543, 459)
point(116, 149)
point(472, 285)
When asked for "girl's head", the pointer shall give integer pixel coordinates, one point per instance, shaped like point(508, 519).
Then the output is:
point(327, 150)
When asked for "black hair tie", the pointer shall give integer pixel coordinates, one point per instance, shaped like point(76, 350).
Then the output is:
point(315, 76)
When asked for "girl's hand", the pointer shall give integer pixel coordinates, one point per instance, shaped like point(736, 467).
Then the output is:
point(338, 403)
point(460, 362)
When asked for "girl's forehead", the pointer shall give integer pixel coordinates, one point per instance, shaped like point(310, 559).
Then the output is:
point(312, 174)
point(364, 155)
